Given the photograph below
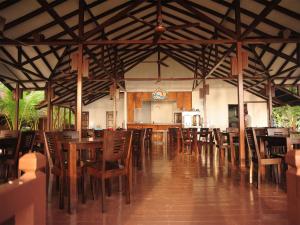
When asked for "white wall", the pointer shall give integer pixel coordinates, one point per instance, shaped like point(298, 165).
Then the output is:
point(97, 111)
point(162, 112)
point(143, 114)
point(220, 95)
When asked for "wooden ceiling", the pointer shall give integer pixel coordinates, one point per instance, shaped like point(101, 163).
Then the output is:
point(39, 37)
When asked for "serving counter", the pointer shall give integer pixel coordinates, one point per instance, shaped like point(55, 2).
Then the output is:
point(154, 126)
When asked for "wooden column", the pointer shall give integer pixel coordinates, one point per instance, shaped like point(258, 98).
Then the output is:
point(70, 117)
point(269, 93)
point(125, 110)
point(49, 107)
point(292, 158)
point(241, 104)
point(115, 107)
point(58, 117)
point(17, 99)
point(204, 104)
point(64, 118)
point(79, 90)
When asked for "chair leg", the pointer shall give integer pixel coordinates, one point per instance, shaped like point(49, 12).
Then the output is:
point(279, 173)
point(251, 173)
point(83, 183)
point(103, 195)
point(108, 184)
point(92, 184)
point(258, 177)
point(127, 188)
point(61, 192)
point(50, 187)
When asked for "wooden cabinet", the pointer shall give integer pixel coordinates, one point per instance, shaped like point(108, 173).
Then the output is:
point(110, 119)
point(85, 120)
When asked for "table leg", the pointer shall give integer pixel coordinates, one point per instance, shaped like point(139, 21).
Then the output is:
point(232, 149)
point(72, 179)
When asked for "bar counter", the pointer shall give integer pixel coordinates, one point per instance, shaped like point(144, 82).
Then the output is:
point(154, 126)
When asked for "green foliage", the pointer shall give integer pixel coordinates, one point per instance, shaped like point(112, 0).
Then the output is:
point(287, 116)
point(28, 114)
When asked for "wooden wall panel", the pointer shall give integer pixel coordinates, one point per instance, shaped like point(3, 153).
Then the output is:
point(135, 100)
point(130, 106)
point(180, 99)
point(138, 100)
point(187, 103)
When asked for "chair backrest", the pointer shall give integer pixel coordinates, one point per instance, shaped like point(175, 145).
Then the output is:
point(87, 133)
point(10, 144)
point(70, 134)
point(173, 132)
point(25, 142)
point(186, 133)
point(260, 130)
point(98, 133)
point(148, 133)
point(232, 129)
point(136, 138)
point(252, 143)
point(204, 132)
point(9, 133)
point(116, 144)
point(53, 150)
point(217, 134)
point(278, 131)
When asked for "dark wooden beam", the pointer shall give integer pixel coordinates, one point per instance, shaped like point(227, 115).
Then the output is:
point(260, 17)
point(119, 15)
point(201, 16)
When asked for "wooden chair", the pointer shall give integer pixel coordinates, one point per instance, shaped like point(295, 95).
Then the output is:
point(58, 166)
point(172, 135)
point(70, 134)
point(203, 138)
point(271, 131)
point(187, 139)
point(148, 139)
point(138, 136)
point(258, 160)
point(116, 161)
point(10, 153)
point(98, 133)
point(221, 143)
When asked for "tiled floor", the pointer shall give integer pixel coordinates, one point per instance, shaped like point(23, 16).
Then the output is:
point(184, 189)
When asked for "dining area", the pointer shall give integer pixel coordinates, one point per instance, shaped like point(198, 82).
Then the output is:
point(149, 112)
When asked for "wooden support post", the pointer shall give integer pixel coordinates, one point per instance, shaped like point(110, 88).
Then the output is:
point(17, 99)
point(64, 119)
point(49, 107)
point(58, 117)
point(241, 104)
point(115, 107)
point(269, 90)
point(125, 110)
point(70, 117)
point(204, 104)
point(79, 90)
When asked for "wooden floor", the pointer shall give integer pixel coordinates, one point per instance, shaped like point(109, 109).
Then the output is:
point(184, 189)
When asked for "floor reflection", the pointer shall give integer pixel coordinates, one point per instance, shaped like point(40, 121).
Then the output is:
point(184, 189)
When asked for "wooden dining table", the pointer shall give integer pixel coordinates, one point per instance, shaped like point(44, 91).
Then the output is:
point(72, 145)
